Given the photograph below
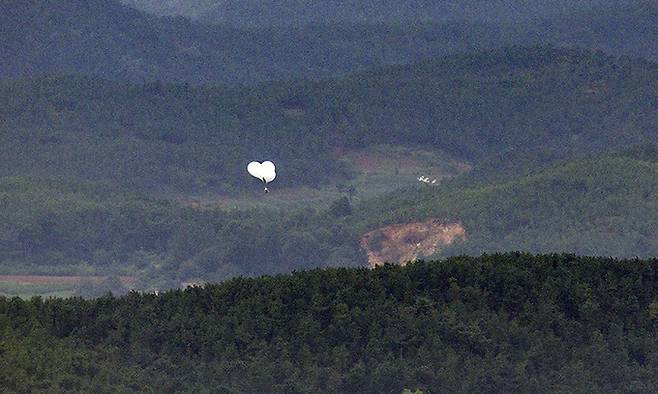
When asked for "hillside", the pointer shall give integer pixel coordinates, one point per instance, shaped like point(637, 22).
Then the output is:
point(86, 162)
point(60, 226)
point(63, 227)
point(518, 102)
point(103, 38)
point(619, 27)
point(259, 13)
point(498, 323)
point(187, 8)
point(614, 27)
point(605, 205)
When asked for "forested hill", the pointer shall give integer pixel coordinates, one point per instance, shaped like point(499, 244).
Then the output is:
point(187, 139)
point(498, 323)
point(103, 38)
point(606, 205)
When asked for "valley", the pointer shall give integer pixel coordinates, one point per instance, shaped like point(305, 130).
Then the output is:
point(322, 196)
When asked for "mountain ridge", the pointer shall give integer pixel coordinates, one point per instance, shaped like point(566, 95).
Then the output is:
point(104, 38)
point(573, 103)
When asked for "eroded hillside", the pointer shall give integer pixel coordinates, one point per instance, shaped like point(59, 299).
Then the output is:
point(408, 241)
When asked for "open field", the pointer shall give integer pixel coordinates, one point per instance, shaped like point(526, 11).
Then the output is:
point(26, 286)
point(377, 170)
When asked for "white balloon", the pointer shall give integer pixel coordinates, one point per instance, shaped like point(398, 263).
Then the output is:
point(264, 171)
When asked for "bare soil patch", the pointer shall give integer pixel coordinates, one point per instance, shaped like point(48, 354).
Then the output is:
point(401, 243)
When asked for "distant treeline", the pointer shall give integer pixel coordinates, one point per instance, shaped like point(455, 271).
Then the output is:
point(103, 38)
point(85, 163)
point(602, 204)
point(516, 103)
point(499, 323)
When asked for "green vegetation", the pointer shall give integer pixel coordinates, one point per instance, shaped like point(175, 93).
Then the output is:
point(103, 38)
point(370, 172)
point(12, 289)
point(65, 227)
point(258, 13)
point(123, 144)
point(60, 226)
point(101, 177)
point(517, 102)
point(498, 323)
point(604, 205)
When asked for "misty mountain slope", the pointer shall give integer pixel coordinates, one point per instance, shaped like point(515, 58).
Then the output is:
point(518, 98)
point(65, 227)
point(103, 38)
point(259, 13)
point(188, 8)
point(153, 137)
point(175, 138)
point(605, 205)
point(504, 323)
point(106, 39)
point(620, 29)
point(627, 27)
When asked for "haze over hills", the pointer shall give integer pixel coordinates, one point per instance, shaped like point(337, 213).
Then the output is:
point(188, 8)
point(402, 131)
point(509, 113)
point(176, 138)
point(258, 13)
point(605, 204)
point(522, 116)
point(103, 38)
point(80, 151)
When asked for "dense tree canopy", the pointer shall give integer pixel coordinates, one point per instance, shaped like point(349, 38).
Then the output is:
point(124, 138)
point(103, 38)
point(513, 102)
point(509, 322)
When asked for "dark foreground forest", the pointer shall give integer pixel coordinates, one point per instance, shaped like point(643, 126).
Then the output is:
point(499, 323)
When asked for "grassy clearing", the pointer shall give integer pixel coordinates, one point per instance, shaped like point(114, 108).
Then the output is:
point(28, 290)
point(377, 170)
point(27, 286)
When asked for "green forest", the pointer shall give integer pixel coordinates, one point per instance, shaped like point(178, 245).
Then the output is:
point(464, 196)
point(605, 206)
point(517, 102)
point(96, 173)
point(103, 38)
point(602, 205)
point(509, 322)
